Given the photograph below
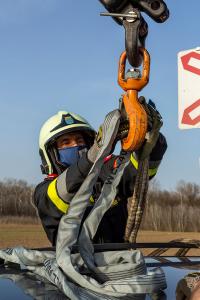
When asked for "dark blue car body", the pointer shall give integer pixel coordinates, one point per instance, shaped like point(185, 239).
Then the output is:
point(17, 283)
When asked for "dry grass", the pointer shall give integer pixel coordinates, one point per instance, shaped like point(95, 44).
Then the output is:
point(28, 235)
point(33, 236)
point(19, 220)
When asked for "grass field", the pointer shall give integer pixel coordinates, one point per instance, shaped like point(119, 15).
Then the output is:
point(33, 236)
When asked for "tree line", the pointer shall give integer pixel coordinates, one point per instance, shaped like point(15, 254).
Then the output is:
point(16, 201)
point(176, 210)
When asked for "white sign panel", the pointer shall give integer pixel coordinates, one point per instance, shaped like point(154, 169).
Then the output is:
point(189, 88)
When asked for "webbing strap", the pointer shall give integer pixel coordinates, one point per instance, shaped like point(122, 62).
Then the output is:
point(108, 268)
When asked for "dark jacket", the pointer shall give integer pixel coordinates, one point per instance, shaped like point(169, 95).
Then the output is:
point(52, 197)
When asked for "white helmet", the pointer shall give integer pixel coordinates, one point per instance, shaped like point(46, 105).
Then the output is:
point(62, 122)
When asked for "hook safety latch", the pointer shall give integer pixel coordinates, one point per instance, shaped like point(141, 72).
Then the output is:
point(135, 113)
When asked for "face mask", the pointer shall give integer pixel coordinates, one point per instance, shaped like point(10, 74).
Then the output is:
point(70, 155)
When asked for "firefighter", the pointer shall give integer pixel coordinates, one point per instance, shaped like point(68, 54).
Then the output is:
point(68, 149)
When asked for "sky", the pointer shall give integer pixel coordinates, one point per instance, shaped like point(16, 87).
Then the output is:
point(61, 55)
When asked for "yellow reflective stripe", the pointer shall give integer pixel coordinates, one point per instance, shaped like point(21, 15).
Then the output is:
point(53, 196)
point(152, 172)
point(115, 202)
point(134, 161)
point(92, 200)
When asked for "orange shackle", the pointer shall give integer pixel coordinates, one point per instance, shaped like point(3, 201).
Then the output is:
point(134, 83)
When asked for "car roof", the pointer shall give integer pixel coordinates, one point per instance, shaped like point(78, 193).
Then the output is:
point(17, 283)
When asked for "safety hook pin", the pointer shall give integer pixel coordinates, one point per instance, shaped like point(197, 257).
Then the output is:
point(131, 15)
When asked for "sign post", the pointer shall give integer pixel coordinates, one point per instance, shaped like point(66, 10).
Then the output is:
point(189, 88)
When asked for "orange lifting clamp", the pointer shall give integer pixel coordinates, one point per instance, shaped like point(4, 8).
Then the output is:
point(135, 112)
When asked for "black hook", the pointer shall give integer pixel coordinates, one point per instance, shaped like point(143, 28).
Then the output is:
point(136, 30)
point(135, 35)
point(156, 9)
point(127, 13)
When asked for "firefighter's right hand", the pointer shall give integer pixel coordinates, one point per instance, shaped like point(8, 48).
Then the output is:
point(106, 135)
point(188, 288)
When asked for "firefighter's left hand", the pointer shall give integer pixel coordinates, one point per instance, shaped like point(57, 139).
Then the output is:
point(155, 122)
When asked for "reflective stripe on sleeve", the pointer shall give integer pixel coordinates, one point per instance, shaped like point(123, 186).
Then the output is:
point(92, 200)
point(53, 196)
point(133, 160)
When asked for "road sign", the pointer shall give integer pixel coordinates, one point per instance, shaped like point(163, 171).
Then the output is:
point(189, 88)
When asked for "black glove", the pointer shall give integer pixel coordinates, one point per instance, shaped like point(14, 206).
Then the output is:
point(155, 122)
point(154, 118)
point(153, 115)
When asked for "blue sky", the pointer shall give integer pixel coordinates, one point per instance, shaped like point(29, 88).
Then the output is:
point(61, 55)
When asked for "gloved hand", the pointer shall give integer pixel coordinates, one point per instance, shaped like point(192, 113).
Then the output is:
point(153, 115)
point(106, 135)
point(155, 122)
point(188, 288)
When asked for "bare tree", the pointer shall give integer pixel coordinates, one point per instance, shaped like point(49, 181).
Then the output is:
point(173, 210)
point(16, 198)
point(176, 210)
